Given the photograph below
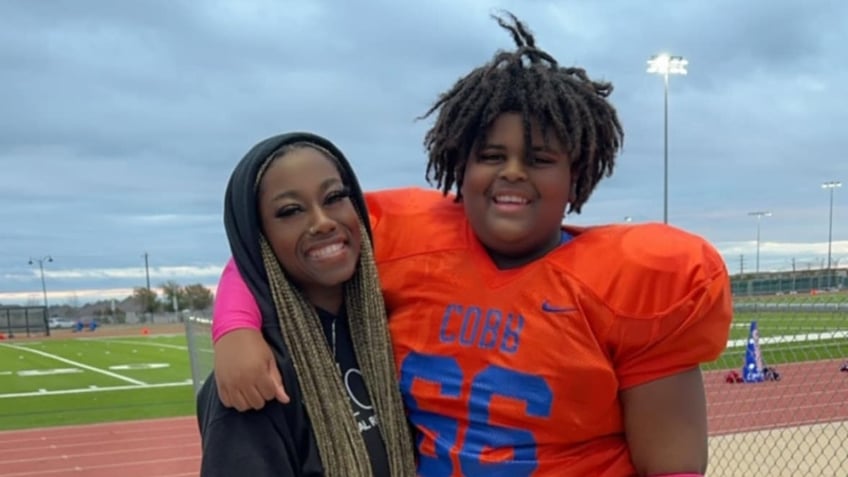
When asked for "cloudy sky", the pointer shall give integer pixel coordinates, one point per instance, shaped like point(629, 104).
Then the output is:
point(121, 121)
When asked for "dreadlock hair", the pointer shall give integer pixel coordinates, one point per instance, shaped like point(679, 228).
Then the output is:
point(564, 100)
point(340, 444)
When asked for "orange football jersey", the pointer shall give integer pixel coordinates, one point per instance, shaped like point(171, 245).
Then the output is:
point(517, 372)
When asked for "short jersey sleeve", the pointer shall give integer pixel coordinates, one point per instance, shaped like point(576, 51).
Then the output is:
point(375, 210)
point(687, 322)
point(386, 206)
point(235, 306)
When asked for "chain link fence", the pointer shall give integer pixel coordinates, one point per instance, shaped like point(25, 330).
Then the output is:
point(777, 396)
point(23, 321)
point(786, 416)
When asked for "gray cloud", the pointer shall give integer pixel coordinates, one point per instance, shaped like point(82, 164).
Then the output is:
point(122, 120)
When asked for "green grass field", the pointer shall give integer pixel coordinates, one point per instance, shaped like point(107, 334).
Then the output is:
point(787, 323)
point(840, 297)
point(74, 381)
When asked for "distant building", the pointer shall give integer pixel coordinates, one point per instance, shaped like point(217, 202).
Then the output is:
point(789, 282)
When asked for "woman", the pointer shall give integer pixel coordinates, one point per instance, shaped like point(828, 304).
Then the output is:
point(299, 233)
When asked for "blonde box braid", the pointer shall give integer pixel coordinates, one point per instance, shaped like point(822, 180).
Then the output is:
point(340, 444)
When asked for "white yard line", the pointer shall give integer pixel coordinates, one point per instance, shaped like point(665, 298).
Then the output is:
point(75, 363)
point(142, 343)
point(128, 335)
point(826, 335)
point(95, 389)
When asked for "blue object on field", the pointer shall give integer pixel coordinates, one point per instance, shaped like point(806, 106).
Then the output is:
point(753, 371)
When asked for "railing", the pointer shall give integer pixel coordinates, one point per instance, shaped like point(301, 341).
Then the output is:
point(23, 322)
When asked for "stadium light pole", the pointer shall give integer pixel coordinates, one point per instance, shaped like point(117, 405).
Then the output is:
point(40, 262)
point(759, 215)
point(830, 186)
point(666, 65)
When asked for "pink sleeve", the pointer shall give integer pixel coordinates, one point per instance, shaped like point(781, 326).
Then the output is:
point(235, 307)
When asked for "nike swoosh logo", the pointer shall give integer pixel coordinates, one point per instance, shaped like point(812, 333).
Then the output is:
point(556, 309)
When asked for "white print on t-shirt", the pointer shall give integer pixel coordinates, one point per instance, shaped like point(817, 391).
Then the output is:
point(349, 376)
point(364, 414)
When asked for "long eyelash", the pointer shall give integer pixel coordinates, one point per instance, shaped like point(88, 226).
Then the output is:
point(285, 212)
point(342, 193)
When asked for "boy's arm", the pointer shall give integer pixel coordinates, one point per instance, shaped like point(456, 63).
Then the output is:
point(666, 425)
point(247, 374)
point(658, 363)
point(245, 369)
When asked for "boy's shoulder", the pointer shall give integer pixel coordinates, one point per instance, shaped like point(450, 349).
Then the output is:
point(407, 201)
point(645, 268)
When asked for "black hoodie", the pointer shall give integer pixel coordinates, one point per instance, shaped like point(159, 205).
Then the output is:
point(277, 440)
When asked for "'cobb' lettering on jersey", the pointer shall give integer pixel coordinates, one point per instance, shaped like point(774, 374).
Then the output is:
point(483, 328)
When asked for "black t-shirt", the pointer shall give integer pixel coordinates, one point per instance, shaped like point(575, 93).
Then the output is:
point(278, 439)
point(360, 401)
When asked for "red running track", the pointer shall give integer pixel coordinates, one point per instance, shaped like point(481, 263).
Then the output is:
point(808, 393)
point(150, 448)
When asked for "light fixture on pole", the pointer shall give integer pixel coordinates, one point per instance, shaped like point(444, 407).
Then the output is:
point(40, 262)
point(666, 65)
point(759, 215)
point(830, 186)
